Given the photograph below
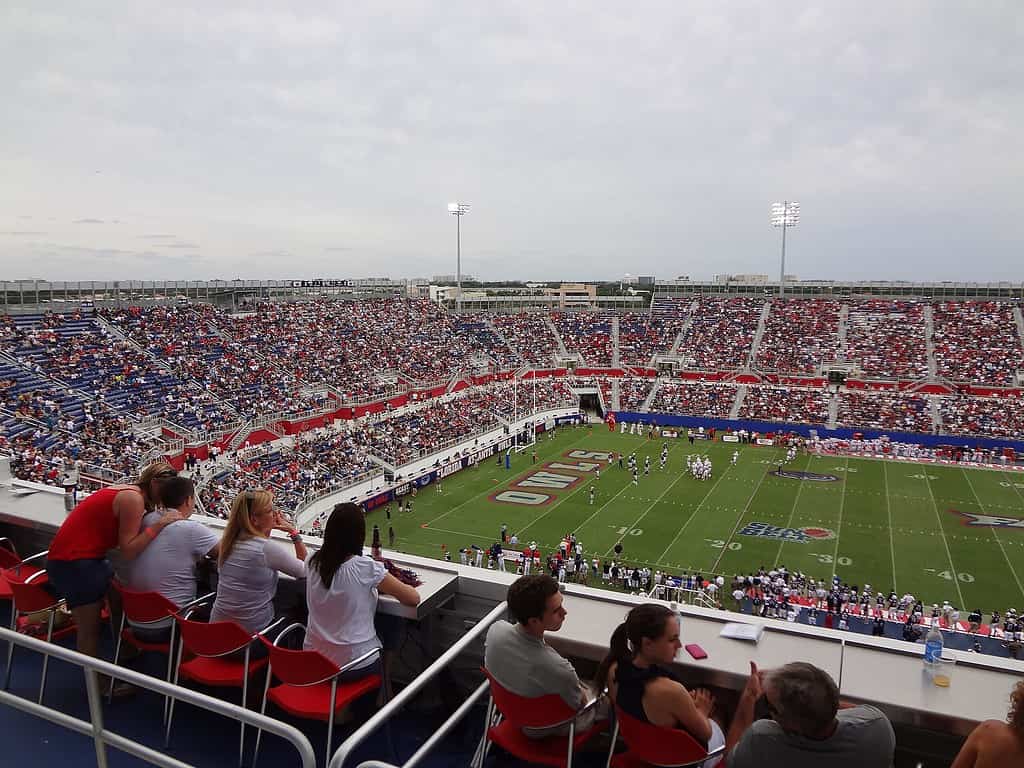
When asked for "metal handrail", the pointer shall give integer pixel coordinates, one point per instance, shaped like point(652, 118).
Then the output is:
point(407, 693)
point(103, 737)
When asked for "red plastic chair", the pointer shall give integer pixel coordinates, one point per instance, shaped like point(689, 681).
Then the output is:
point(653, 745)
point(28, 597)
point(516, 712)
point(9, 558)
point(309, 685)
point(144, 608)
point(213, 661)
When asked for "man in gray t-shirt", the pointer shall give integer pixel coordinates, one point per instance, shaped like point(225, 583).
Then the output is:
point(807, 728)
point(519, 659)
point(167, 565)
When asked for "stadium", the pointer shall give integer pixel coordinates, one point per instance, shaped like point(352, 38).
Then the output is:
point(862, 447)
point(417, 385)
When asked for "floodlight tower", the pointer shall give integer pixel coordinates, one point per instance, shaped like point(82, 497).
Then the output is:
point(458, 210)
point(785, 214)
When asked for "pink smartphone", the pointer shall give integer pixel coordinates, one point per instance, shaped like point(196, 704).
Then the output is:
point(696, 651)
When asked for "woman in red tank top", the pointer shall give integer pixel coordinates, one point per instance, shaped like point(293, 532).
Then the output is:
point(77, 564)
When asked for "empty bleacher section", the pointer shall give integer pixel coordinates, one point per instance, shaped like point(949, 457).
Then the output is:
point(800, 335)
point(721, 332)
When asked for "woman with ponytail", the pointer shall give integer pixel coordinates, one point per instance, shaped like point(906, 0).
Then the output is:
point(641, 683)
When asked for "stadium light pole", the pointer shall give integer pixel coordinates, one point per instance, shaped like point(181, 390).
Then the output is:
point(458, 210)
point(785, 215)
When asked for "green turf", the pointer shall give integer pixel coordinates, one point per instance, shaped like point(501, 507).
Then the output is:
point(894, 522)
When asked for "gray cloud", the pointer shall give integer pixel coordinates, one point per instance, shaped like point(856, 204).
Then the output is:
point(22, 232)
point(190, 246)
point(591, 139)
point(87, 221)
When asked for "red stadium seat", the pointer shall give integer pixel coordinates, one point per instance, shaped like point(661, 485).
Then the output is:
point(652, 745)
point(309, 685)
point(517, 712)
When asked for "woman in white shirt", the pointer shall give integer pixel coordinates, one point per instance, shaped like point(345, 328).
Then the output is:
point(341, 593)
point(249, 561)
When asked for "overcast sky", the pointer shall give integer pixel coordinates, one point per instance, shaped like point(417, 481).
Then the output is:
point(214, 140)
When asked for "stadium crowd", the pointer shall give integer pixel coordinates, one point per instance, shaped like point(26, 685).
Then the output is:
point(800, 335)
point(694, 399)
point(720, 333)
point(885, 410)
point(642, 336)
point(887, 338)
point(977, 341)
point(766, 403)
point(586, 333)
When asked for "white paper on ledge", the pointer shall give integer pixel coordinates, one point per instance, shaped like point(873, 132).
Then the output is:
point(739, 631)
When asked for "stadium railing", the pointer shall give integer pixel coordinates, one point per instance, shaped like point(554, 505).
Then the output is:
point(103, 737)
point(406, 695)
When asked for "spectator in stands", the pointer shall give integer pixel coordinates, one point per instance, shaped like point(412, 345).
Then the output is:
point(994, 743)
point(77, 563)
point(249, 561)
point(519, 659)
point(341, 592)
point(636, 671)
point(807, 728)
point(168, 564)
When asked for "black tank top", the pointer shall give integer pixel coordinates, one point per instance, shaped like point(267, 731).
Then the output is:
point(632, 681)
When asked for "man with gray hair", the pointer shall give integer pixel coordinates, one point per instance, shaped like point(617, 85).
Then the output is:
point(804, 726)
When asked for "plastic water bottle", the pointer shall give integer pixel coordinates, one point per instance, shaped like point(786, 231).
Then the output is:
point(933, 647)
point(674, 607)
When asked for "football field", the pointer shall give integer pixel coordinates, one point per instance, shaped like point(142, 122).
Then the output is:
point(938, 532)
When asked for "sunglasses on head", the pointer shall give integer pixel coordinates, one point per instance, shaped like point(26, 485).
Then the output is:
point(165, 473)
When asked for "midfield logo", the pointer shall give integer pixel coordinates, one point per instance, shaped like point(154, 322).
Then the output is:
point(990, 521)
point(793, 535)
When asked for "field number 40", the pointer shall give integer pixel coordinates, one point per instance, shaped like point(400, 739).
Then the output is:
point(966, 578)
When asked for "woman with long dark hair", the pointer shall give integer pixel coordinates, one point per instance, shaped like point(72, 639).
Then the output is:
point(640, 682)
point(341, 592)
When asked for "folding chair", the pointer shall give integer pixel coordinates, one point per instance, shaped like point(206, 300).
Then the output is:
point(309, 685)
point(653, 745)
point(509, 713)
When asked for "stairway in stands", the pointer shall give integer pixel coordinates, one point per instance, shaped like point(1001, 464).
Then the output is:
point(844, 317)
point(646, 407)
point(615, 346)
point(929, 329)
point(762, 323)
point(616, 404)
point(936, 411)
point(833, 411)
point(737, 403)
point(1019, 317)
point(558, 337)
point(686, 327)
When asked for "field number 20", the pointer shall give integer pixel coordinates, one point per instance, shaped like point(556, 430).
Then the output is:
point(719, 544)
point(841, 560)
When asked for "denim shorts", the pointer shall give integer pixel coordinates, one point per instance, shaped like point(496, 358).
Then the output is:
point(80, 582)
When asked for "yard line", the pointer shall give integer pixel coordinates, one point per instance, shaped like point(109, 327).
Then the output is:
point(582, 486)
point(743, 513)
point(842, 503)
point(888, 508)
point(692, 515)
point(993, 531)
point(792, 512)
point(942, 532)
point(490, 490)
point(653, 504)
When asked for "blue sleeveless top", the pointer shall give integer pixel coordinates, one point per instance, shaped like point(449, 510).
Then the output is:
point(632, 681)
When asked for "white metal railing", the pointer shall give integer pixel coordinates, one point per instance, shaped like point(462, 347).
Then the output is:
point(407, 693)
point(103, 737)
